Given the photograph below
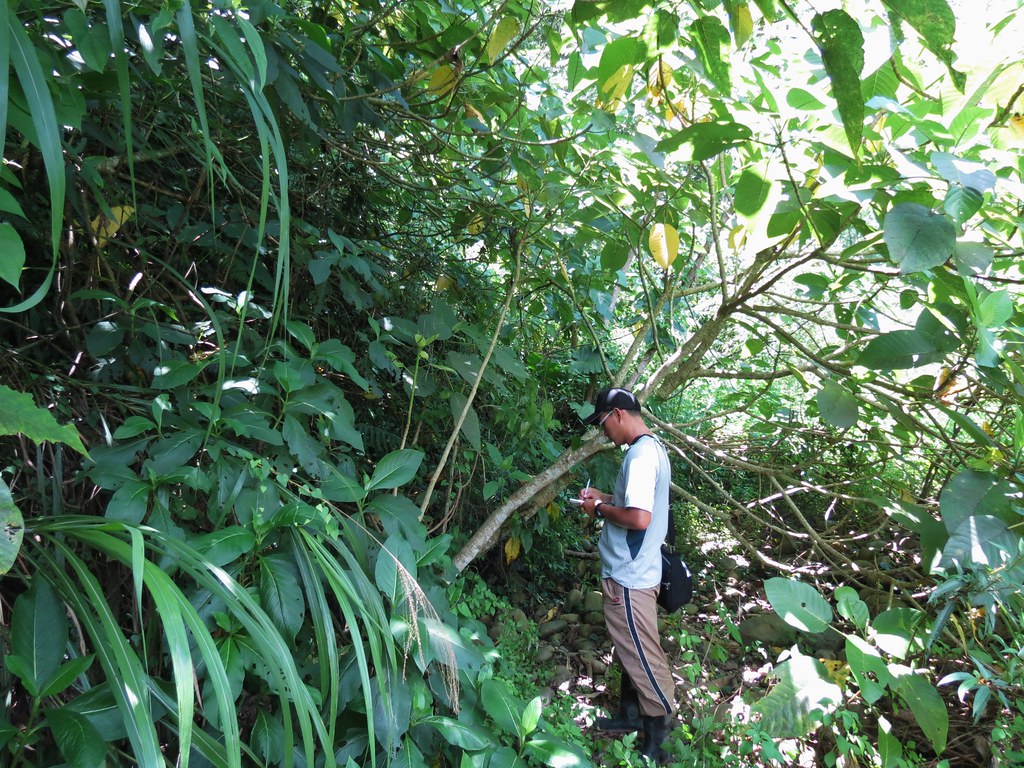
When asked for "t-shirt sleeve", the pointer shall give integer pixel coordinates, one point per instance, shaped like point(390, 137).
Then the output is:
point(641, 479)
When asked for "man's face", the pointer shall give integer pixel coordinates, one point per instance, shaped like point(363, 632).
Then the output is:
point(610, 423)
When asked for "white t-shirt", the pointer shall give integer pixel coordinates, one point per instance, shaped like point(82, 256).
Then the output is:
point(633, 558)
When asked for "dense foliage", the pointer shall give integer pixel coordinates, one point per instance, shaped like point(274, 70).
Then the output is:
point(302, 304)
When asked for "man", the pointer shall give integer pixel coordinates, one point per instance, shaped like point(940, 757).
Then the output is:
point(636, 519)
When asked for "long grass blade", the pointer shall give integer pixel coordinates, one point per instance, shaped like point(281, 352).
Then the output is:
point(125, 676)
point(115, 25)
point(323, 628)
point(6, 18)
point(44, 120)
point(162, 591)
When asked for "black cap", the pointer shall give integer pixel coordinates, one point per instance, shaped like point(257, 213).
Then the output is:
point(607, 399)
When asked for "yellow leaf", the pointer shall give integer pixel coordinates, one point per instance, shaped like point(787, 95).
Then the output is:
point(664, 244)
point(443, 80)
point(443, 283)
point(554, 510)
point(472, 112)
point(476, 225)
point(742, 24)
point(502, 35)
point(1017, 124)
point(837, 670)
point(658, 78)
point(512, 547)
point(105, 228)
point(675, 110)
point(614, 88)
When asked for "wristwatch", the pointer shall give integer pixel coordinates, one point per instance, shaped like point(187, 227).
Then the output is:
point(597, 510)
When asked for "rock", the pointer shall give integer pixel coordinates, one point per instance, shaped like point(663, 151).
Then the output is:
point(585, 644)
point(562, 675)
point(596, 619)
point(494, 631)
point(767, 628)
point(518, 616)
point(593, 602)
point(690, 609)
point(571, 618)
point(728, 564)
point(544, 654)
point(546, 694)
point(828, 642)
point(549, 628)
point(574, 600)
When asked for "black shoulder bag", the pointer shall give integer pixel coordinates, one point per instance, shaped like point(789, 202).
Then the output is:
point(676, 581)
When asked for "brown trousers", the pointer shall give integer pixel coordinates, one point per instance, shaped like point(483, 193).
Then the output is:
point(632, 619)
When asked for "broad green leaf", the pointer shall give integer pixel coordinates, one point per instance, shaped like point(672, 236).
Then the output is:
point(396, 568)
point(554, 752)
point(464, 735)
point(711, 44)
point(338, 485)
point(962, 203)
point(132, 427)
point(996, 309)
point(752, 193)
point(702, 141)
point(8, 204)
point(471, 424)
point(797, 702)
point(12, 529)
point(898, 350)
point(837, 405)
point(409, 756)
point(851, 607)
point(281, 594)
point(741, 21)
point(174, 373)
point(302, 333)
point(985, 544)
point(897, 632)
point(341, 359)
point(503, 707)
point(842, 52)
point(39, 632)
point(928, 707)
point(800, 605)
point(12, 255)
point(225, 545)
point(395, 469)
point(66, 674)
point(935, 22)
point(129, 503)
point(79, 742)
point(964, 173)
point(307, 450)
point(504, 32)
point(971, 492)
point(531, 715)
point(506, 757)
point(19, 415)
point(868, 667)
point(972, 258)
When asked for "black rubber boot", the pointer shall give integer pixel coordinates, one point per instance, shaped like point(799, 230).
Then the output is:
point(656, 730)
point(627, 719)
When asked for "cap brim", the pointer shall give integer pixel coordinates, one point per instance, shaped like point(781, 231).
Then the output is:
point(592, 418)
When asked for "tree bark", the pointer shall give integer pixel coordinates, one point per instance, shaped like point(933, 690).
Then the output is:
point(487, 533)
